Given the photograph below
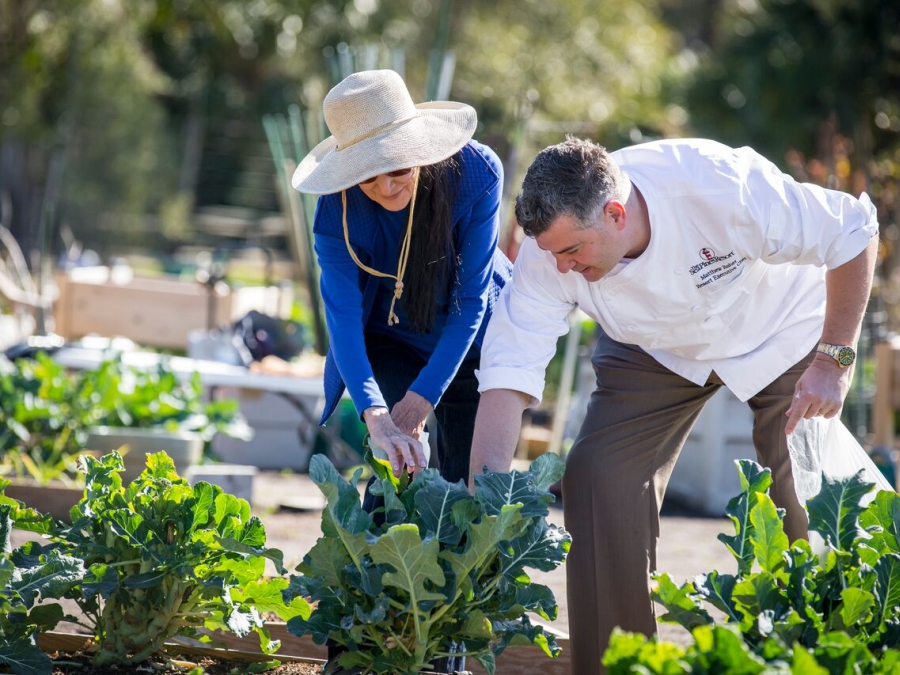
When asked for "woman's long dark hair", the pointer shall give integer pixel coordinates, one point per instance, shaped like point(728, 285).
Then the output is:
point(432, 267)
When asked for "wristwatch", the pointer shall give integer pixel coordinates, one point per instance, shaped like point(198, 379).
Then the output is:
point(843, 354)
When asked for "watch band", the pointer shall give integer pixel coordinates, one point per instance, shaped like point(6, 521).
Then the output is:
point(843, 354)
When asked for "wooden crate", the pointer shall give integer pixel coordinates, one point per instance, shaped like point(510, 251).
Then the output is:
point(155, 312)
point(887, 392)
point(534, 441)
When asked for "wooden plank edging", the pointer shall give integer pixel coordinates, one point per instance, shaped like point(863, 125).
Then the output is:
point(54, 641)
point(517, 660)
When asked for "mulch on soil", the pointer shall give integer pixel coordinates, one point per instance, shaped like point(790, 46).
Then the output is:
point(79, 664)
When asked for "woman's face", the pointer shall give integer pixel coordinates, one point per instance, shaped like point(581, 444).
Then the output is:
point(393, 190)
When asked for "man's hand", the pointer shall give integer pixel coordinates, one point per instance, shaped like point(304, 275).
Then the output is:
point(821, 390)
point(409, 414)
point(403, 451)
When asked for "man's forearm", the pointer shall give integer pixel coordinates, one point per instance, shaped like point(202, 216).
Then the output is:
point(848, 288)
point(823, 387)
point(497, 427)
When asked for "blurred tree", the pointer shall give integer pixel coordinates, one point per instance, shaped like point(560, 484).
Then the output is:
point(595, 68)
point(538, 70)
point(786, 66)
point(534, 70)
point(223, 60)
point(154, 107)
point(80, 131)
point(815, 85)
point(697, 23)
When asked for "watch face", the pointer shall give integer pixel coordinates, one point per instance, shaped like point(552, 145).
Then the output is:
point(845, 356)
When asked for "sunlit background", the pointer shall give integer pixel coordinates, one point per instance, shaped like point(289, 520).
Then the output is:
point(157, 129)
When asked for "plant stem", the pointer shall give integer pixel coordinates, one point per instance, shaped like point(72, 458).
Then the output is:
point(124, 562)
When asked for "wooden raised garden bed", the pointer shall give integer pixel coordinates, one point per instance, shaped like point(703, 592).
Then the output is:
point(518, 660)
point(53, 498)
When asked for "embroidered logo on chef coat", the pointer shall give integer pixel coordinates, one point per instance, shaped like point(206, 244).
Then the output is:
point(714, 267)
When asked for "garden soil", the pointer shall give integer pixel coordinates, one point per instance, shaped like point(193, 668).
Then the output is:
point(75, 666)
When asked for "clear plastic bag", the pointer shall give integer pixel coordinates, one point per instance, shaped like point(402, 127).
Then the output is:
point(825, 446)
point(822, 445)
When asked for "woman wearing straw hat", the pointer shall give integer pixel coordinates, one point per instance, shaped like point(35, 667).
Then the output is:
point(406, 237)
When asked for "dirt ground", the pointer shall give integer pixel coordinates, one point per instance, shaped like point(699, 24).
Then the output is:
point(80, 665)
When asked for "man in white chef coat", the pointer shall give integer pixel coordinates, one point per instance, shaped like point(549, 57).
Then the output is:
point(704, 266)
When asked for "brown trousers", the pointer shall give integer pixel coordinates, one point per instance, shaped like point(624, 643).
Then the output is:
point(637, 421)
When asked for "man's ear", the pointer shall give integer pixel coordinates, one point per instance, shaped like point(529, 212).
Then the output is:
point(616, 210)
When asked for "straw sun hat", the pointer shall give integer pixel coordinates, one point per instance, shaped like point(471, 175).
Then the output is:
point(377, 128)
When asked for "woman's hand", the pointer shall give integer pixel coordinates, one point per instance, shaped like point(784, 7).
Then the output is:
point(410, 413)
point(403, 450)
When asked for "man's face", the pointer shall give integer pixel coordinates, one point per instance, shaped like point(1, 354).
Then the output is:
point(591, 252)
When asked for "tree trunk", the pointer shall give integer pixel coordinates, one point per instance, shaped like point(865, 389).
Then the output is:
point(17, 159)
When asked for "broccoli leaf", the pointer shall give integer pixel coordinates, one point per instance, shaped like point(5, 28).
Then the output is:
point(834, 512)
point(767, 534)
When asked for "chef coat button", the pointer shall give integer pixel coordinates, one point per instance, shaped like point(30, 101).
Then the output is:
point(679, 270)
point(676, 352)
point(631, 327)
point(695, 308)
point(654, 344)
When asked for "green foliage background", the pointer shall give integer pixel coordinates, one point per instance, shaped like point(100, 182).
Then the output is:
point(119, 119)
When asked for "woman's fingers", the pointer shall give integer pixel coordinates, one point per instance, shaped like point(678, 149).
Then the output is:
point(402, 450)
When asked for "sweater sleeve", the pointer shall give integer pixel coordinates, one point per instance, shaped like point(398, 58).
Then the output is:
point(343, 301)
point(478, 236)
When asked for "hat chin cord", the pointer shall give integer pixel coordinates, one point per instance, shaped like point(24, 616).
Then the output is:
point(404, 250)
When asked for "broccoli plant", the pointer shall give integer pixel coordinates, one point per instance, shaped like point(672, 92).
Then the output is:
point(789, 608)
point(163, 558)
point(443, 567)
point(722, 649)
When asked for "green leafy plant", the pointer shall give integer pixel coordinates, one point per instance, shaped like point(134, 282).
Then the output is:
point(789, 606)
point(42, 419)
point(443, 567)
point(22, 585)
point(59, 465)
point(157, 397)
point(46, 412)
point(161, 558)
point(722, 649)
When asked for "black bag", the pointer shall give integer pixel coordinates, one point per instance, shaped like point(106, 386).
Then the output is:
point(266, 335)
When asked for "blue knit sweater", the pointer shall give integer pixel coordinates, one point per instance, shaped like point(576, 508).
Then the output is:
point(357, 302)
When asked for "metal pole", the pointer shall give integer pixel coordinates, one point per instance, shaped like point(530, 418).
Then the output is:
point(567, 376)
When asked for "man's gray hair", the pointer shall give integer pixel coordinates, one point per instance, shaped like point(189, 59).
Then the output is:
point(575, 178)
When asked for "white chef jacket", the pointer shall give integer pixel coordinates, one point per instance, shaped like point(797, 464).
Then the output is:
point(732, 280)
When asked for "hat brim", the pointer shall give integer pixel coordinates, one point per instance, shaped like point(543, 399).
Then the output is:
point(439, 130)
